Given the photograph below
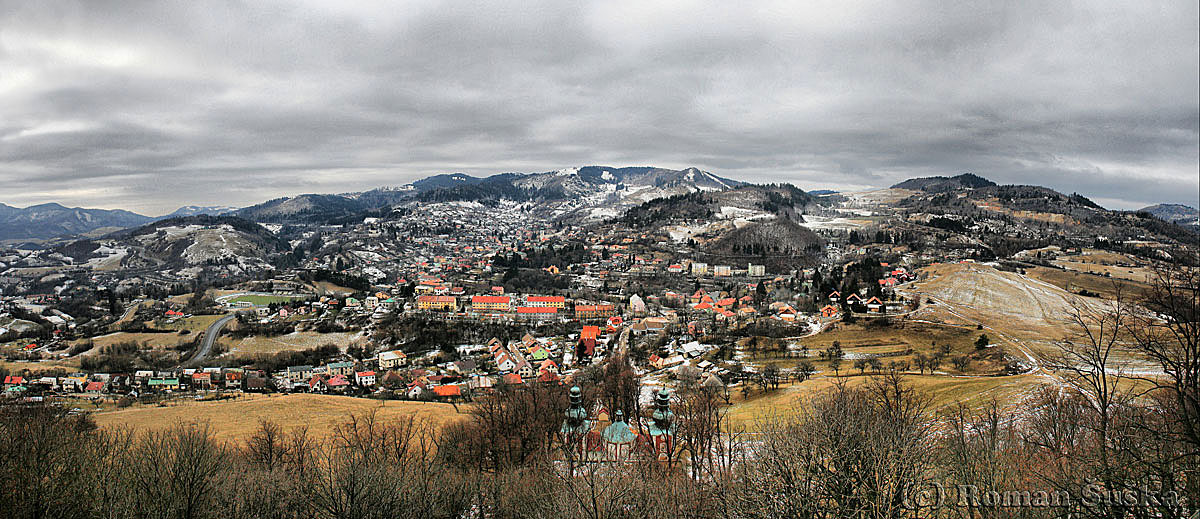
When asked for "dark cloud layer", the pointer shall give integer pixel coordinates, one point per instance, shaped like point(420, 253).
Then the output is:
point(153, 105)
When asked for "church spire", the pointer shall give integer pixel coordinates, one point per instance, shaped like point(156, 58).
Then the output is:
point(662, 420)
point(576, 421)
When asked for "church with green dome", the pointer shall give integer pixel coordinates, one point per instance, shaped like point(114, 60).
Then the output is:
point(597, 438)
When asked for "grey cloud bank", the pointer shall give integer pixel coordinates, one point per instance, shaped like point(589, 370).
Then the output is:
point(149, 106)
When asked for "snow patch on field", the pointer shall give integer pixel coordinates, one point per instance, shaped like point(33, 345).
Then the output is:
point(604, 212)
point(368, 256)
point(824, 222)
point(179, 231)
point(856, 212)
point(681, 233)
point(729, 212)
point(111, 259)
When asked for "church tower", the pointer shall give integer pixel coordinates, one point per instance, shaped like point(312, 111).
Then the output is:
point(662, 426)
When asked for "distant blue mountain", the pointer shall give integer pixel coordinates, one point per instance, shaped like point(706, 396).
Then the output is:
point(45, 221)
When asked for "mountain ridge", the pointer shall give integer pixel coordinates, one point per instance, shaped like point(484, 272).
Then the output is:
point(576, 192)
point(1179, 214)
point(586, 193)
point(940, 183)
point(50, 220)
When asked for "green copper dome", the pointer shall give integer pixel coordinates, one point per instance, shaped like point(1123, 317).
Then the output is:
point(619, 431)
point(662, 420)
point(576, 417)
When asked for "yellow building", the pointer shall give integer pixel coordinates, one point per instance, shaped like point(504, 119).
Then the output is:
point(600, 311)
point(443, 303)
point(490, 303)
point(547, 301)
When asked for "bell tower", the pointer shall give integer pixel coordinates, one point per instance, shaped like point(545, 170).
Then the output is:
point(575, 425)
point(662, 426)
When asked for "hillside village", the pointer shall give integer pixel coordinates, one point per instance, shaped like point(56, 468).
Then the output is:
point(446, 300)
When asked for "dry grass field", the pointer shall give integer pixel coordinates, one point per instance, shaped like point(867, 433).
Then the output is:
point(326, 288)
point(154, 340)
point(70, 365)
point(1074, 281)
point(861, 339)
point(1108, 267)
point(296, 341)
point(899, 341)
point(237, 419)
point(1027, 317)
point(1134, 274)
point(1023, 311)
point(945, 392)
point(214, 293)
point(195, 323)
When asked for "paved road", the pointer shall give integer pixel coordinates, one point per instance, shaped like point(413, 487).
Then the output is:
point(210, 337)
point(137, 303)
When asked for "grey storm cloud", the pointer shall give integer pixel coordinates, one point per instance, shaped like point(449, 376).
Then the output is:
point(153, 105)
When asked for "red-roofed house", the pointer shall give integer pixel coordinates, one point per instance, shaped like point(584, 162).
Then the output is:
point(505, 361)
point(447, 391)
point(338, 383)
point(365, 378)
point(316, 384)
point(202, 381)
point(874, 305)
point(415, 389)
point(587, 341)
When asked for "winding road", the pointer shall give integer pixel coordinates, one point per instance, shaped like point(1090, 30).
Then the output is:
point(210, 337)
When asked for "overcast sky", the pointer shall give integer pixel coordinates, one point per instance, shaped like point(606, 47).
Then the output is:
point(152, 106)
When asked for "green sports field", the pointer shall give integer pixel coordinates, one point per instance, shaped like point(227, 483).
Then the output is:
point(258, 300)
